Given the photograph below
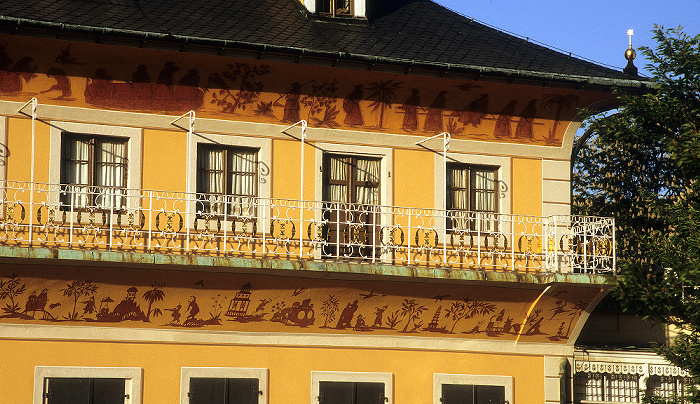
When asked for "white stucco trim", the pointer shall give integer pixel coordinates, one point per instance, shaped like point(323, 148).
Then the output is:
point(487, 380)
point(132, 376)
point(359, 377)
point(188, 373)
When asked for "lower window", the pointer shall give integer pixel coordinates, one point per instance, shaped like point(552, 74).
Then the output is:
point(82, 385)
point(223, 386)
point(351, 388)
point(78, 390)
point(472, 389)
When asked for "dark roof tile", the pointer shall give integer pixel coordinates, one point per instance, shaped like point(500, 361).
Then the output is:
point(417, 30)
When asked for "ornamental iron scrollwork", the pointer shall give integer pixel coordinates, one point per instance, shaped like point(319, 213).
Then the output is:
point(528, 244)
point(496, 242)
point(51, 216)
point(279, 228)
point(318, 232)
point(426, 238)
point(207, 219)
point(566, 244)
point(248, 226)
point(458, 240)
point(11, 212)
point(393, 233)
point(92, 223)
point(355, 233)
point(135, 220)
point(169, 222)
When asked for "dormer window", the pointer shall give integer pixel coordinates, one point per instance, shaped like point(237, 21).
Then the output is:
point(335, 8)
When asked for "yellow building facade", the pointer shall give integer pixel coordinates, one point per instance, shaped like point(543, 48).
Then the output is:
point(184, 224)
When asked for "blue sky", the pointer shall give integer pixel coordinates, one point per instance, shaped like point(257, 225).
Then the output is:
point(592, 29)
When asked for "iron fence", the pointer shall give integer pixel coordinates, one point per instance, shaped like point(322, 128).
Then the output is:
point(150, 221)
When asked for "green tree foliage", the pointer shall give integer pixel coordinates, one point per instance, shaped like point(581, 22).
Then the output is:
point(642, 167)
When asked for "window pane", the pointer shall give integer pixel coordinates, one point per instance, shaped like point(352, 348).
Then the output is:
point(75, 170)
point(68, 390)
point(457, 394)
point(207, 390)
point(110, 172)
point(489, 394)
point(351, 393)
point(210, 170)
point(108, 391)
point(243, 391)
point(484, 195)
point(369, 393)
point(367, 177)
point(336, 392)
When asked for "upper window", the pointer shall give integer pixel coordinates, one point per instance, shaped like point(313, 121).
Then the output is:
point(352, 179)
point(94, 171)
point(82, 385)
point(335, 8)
point(226, 179)
point(352, 388)
point(95, 165)
point(471, 189)
point(472, 389)
point(224, 386)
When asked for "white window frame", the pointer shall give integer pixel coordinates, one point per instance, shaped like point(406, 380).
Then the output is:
point(485, 380)
point(263, 145)
point(133, 136)
point(503, 171)
point(188, 373)
point(132, 377)
point(386, 163)
point(358, 377)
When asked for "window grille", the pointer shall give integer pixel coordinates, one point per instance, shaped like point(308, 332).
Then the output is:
point(606, 387)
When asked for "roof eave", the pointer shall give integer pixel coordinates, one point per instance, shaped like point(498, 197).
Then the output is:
point(190, 43)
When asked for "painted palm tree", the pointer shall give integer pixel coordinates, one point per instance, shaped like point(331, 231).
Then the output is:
point(328, 309)
point(411, 310)
point(561, 103)
point(383, 92)
point(76, 290)
point(468, 308)
point(575, 313)
point(456, 312)
point(10, 289)
point(156, 294)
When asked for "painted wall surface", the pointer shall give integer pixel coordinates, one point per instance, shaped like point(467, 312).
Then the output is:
point(414, 178)
point(91, 296)
point(164, 160)
point(527, 186)
point(289, 367)
point(94, 76)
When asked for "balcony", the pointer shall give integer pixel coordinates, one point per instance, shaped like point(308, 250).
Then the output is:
point(158, 222)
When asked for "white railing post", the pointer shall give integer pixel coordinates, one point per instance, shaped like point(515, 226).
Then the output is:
point(303, 124)
point(32, 115)
point(190, 131)
point(445, 147)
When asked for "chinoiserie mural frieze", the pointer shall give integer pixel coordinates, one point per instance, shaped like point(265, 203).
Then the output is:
point(266, 303)
point(140, 80)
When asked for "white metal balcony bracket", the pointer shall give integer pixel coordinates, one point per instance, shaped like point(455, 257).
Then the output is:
point(445, 147)
point(33, 102)
point(303, 124)
point(190, 131)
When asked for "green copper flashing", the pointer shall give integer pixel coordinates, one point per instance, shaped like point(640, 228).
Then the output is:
point(40, 255)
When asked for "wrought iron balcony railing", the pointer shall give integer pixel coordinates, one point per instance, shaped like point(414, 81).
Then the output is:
point(78, 217)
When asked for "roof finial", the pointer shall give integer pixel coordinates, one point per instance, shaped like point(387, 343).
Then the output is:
point(630, 54)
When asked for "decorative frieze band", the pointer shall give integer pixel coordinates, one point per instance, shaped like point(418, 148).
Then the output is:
point(608, 367)
point(629, 368)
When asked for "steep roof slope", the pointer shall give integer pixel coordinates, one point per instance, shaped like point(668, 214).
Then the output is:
point(401, 31)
